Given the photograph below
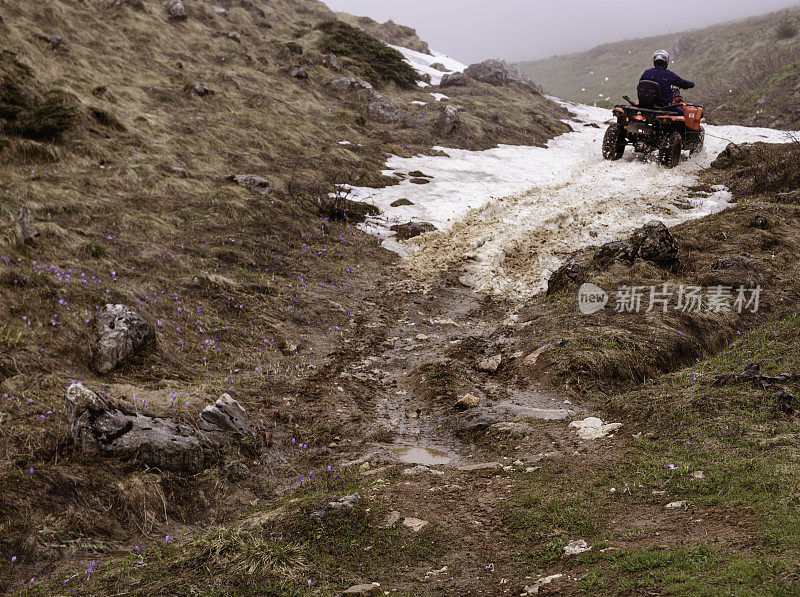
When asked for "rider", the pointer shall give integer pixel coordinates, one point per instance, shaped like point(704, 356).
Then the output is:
point(665, 78)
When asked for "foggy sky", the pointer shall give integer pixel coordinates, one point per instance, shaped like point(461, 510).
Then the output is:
point(472, 30)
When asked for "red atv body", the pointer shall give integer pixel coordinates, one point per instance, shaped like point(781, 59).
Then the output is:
point(649, 127)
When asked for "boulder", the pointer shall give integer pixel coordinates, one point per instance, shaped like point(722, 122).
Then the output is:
point(298, 72)
point(253, 183)
point(411, 229)
point(448, 120)
point(614, 251)
point(176, 10)
point(199, 89)
point(338, 507)
point(440, 67)
point(381, 109)
point(226, 414)
point(454, 80)
point(349, 84)
point(101, 430)
point(494, 72)
point(118, 332)
point(569, 273)
point(654, 242)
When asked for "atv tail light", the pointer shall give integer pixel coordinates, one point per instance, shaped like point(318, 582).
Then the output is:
point(639, 117)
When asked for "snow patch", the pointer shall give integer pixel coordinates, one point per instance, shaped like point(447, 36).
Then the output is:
point(422, 63)
point(509, 216)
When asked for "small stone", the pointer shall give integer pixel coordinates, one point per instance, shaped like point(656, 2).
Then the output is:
point(219, 10)
point(332, 62)
point(593, 428)
point(253, 183)
point(199, 89)
point(176, 10)
point(449, 120)
point(401, 202)
point(349, 83)
point(226, 414)
point(338, 507)
point(415, 471)
point(235, 36)
point(491, 365)
point(380, 109)
point(415, 524)
point(372, 590)
point(574, 548)
point(467, 401)
point(676, 505)
point(298, 72)
point(391, 519)
point(699, 475)
point(479, 466)
point(411, 229)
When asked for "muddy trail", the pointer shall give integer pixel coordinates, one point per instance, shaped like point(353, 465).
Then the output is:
point(452, 462)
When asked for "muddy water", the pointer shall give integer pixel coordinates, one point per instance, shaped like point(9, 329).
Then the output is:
point(421, 455)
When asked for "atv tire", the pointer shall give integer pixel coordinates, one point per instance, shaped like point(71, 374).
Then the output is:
point(614, 142)
point(669, 154)
point(701, 140)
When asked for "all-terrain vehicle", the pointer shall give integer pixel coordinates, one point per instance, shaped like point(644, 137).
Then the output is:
point(650, 127)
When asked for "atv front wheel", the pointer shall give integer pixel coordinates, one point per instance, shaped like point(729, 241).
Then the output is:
point(698, 145)
point(614, 142)
point(669, 154)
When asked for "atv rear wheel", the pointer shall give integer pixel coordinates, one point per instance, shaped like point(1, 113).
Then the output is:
point(614, 142)
point(699, 143)
point(669, 154)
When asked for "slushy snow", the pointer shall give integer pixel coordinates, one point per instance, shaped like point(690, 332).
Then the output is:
point(509, 216)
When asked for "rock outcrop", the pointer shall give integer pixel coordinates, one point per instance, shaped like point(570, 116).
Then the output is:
point(495, 72)
point(100, 429)
point(117, 332)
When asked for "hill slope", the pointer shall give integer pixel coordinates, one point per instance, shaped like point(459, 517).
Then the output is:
point(747, 71)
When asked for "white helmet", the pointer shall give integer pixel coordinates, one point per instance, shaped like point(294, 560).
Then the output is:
point(661, 56)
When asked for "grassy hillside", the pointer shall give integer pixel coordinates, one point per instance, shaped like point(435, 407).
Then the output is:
point(121, 129)
point(746, 71)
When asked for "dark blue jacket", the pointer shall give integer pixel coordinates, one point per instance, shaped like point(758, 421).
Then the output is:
point(666, 79)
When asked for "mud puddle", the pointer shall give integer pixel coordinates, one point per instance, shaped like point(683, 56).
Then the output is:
point(421, 455)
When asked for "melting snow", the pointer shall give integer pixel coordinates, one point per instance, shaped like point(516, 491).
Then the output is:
point(511, 214)
point(593, 428)
point(422, 63)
